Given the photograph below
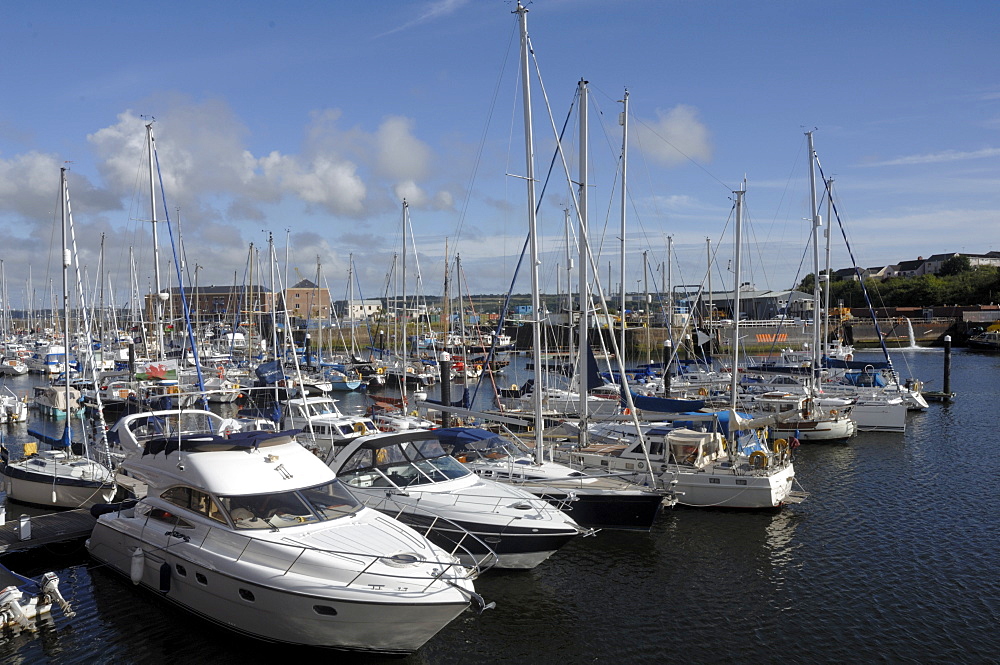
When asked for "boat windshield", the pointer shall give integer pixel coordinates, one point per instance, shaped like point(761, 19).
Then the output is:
point(322, 503)
point(321, 408)
point(401, 465)
point(492, 448)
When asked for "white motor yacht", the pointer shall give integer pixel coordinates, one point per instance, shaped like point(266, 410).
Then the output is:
point(254, 532)
point(409, 476)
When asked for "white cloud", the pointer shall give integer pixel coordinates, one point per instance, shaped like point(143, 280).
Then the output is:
point(400, 155)
point(335, 185)
point(433, 10)
point(674, 137)
point(938, 157)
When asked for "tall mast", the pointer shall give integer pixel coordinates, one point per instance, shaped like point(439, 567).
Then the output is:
point(64, 191)
point(529, 176)
point(737, 266)
point(402, 375)
point(157, 301)
point(817, 221)
point(584, 277)
point(624, 124)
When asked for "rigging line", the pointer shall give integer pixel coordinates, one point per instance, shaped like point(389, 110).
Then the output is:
point(180, 280)
point(684, 154)
point(482, 139)
point(857, 270)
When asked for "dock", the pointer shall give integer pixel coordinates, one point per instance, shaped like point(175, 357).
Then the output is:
point(46, 529)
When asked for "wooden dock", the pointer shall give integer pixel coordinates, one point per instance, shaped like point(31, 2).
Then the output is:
point(46, 529)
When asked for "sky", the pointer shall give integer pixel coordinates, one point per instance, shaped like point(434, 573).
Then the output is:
point(310, 122)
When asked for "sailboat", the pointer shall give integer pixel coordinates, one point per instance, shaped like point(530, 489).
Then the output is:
point(58, 477)
point(707, 459)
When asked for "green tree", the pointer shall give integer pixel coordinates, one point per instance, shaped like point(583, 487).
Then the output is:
point(955, 265)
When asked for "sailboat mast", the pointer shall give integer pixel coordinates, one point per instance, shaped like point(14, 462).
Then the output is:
point(64, 190)
point(581, 371)
point(529, 176)
point(404, 349)
point(624, 124)
point(817, 221)
point(826, 288)
point(157, 301)
point(737, 267)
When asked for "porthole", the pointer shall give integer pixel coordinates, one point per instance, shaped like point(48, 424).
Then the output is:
point(246, 595)
point(325, 610)
point(201, 578)
point(741, 481)
point(181, 570)
point(715, 481)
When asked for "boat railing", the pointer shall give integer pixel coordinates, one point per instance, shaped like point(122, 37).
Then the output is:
point(461, 538)
point(440, 572)
point(484, 502)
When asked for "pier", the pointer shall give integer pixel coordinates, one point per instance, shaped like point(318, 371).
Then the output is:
point(46, 529)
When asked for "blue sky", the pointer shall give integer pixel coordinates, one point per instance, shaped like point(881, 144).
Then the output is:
point(312, 120)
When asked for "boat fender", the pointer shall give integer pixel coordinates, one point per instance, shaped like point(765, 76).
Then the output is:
point(165, 577)
point(138, 563)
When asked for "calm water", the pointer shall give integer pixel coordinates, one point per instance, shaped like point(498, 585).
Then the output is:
point(893, 558)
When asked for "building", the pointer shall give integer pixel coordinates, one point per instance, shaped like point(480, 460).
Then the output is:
point(306, 300)
point(227, 304)
point(212, 303)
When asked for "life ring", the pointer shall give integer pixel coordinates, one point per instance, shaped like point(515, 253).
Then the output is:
point(781, 448)
point(380, 370)
point(513, 386)
point(849, 357)
point(222, 371)
point(758, 460)
point(833, 412)
point(703, 392)
point(479, 368)
point(359, 428)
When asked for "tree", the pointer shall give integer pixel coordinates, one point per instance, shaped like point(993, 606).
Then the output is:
point(955, 265)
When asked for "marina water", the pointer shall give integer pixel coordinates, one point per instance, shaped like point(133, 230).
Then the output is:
point(893, 558)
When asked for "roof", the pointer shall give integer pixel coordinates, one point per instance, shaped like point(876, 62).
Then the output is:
point(305, 284)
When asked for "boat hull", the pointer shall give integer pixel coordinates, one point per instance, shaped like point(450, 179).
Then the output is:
point(312, 615)
point(40, 490)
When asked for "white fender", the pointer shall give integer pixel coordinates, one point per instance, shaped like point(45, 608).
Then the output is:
point(138, 563)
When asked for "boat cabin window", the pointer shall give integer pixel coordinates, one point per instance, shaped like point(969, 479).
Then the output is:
point(196, 500)
point(281, 509)
point(401, 465)
point(168, 518)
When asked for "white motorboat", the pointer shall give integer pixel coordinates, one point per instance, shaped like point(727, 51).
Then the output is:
point(254, 532)
point(12, 366)
point(409, 476)
point(23, 600)
point(599, 501)
point(322, 423)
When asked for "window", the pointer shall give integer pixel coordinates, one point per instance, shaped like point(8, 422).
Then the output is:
point(168, 518)
point(196, 500)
